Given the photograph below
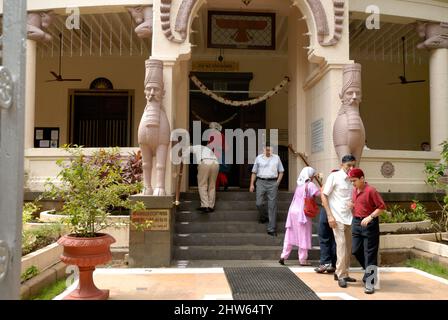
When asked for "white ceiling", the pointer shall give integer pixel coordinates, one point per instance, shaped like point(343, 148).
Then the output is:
point(109, 34)
point(385, 43)
point(112, 34)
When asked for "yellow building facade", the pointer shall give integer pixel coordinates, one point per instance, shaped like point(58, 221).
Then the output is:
point(309, 42)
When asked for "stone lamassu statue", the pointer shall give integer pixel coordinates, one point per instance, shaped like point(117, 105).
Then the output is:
point(434, 35)
point(36, 24)
point(154, 129)
point(142, 15)
point(348, 131)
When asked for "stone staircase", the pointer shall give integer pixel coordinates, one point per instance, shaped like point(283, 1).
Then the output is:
point(232, 231)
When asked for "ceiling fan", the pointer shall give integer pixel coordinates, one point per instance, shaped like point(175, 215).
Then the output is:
point(402, 78)
point(58, 76)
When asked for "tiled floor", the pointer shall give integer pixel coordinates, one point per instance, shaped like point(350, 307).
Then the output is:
point(211, 284)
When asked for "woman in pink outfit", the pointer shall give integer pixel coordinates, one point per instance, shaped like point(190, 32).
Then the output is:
point(298, 226)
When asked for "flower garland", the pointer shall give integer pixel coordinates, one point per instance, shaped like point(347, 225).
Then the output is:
point(208, 122)
point(237, 103)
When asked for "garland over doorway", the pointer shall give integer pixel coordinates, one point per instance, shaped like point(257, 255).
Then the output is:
point(239, 103)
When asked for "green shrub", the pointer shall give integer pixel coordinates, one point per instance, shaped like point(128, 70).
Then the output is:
point(397, 214)
point(35, 239)
point(29, 273)
point(29, 208)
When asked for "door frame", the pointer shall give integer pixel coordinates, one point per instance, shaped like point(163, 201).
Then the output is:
point(130, 93)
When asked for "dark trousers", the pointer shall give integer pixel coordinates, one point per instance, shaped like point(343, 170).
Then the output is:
point(326, 240)
point(365, 243)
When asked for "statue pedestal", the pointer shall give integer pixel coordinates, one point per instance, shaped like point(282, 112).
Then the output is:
point(152, 247)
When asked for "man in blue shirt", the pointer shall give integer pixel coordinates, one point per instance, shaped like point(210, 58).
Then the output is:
point(268, 172)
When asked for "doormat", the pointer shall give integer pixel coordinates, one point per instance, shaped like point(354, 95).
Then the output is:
point(267, 283)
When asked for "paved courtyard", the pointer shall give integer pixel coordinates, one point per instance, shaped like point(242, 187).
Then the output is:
point(211, 284)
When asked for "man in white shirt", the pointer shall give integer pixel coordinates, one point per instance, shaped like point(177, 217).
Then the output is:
point(268, 171)
point(208, 167)
point(337, 201)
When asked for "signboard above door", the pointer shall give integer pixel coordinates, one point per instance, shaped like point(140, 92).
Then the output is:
point(241, 30)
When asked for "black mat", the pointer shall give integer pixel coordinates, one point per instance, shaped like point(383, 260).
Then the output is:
point(267, 283)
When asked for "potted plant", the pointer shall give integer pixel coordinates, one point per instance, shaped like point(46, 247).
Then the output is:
point(91, 187)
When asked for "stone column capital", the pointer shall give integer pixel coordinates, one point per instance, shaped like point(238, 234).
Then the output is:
point(433, 34)
point(37, 23)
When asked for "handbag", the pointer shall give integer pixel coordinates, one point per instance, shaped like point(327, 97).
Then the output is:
point(310, 207)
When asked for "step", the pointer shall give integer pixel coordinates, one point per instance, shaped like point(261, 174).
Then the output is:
point(245, 252)
point(224, 215)
point(237, 263)
point(232, 239)
point(228, 227)
point(235, 195)
point(230, 205)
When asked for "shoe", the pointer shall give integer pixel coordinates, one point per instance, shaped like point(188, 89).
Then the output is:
point(325, 268)
point(331, 269)
point(226, 188)
point(202, 209)
point(349, 279)
point(211, 209)
point(322, 268)
point(369, 290)
point(262, 221)
point(272, 233)
point(281, 261)
point(305, 264)
point(342, 283)
point(335, 277)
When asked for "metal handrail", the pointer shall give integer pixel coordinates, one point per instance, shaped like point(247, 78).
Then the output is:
point(178, 184)
point(303, 157)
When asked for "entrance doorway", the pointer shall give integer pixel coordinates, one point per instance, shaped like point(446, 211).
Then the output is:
point(234, 86)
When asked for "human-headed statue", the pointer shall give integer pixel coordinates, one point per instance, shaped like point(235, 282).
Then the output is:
point(142, 15)
point(434, 35)
point(36, 24)
point(154, 129)
point(348, 131)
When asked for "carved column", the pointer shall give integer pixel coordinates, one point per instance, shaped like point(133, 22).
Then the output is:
point(170, 67)
point(30, 95)
point(435, 37)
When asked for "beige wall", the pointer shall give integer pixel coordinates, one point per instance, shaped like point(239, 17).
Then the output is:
point(396, 117)
point(52, 97)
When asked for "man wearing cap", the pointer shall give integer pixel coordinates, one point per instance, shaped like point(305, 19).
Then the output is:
point(268, 171)
point(367, 206)
point(336, 199)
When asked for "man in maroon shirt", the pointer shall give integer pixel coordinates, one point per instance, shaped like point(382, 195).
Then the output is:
point(367, 206)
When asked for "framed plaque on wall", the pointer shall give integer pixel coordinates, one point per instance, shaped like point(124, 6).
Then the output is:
point(46, 137)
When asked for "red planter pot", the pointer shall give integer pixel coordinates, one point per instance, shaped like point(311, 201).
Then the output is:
point(86, 253)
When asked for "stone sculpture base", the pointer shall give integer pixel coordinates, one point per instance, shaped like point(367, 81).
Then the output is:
point(152, 247)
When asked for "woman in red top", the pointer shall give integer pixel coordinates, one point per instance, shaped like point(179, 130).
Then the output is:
point(367, 206)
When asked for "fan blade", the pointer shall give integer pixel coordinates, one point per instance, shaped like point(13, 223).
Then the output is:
point(54, 74)
point(52, 80)
point(71, 79)
point(414, 81)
